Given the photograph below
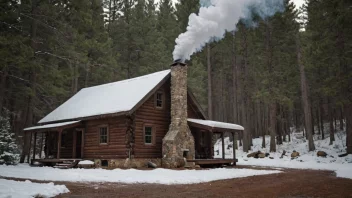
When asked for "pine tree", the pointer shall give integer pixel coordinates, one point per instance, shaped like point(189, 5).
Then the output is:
point(168, 27)
point(183, 9)
point(8, 147)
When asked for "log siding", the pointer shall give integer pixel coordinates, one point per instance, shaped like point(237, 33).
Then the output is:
point(116, 147)
point(157, 118)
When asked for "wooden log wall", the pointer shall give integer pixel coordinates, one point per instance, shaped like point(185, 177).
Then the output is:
point(159, 119)
point(192, 109)
point(116, 147)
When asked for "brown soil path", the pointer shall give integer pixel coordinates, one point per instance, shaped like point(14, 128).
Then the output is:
point(290, 183)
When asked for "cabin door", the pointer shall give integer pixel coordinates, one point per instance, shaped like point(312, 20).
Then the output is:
point(79, 144)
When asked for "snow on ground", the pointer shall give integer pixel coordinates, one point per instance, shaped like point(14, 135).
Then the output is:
point(159, 176)
point(86, 162)
point(18, 189)
point(306, 160)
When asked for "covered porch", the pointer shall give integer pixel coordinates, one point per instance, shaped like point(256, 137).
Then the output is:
point(203, 132)
point(58, 143)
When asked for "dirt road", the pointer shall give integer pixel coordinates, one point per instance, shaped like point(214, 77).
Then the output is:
point(290, 183)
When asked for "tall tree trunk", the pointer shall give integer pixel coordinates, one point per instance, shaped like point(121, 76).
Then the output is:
point(273, 107)
point(32, 81)
point(331, 122)
point(348, 113)
point(4, 74)
point(284, 123)
point(110, 16)
point(234, 79)
point(210, 102)
point(278, 126)
point(305, 96)
point(246, 129)
point(244, 96)
point(318, 119)
point(74, 76)
point(335, 120)
point(321, 118)
point(86, 80)
point(312, 116)
point(341, 118)
point(272, 111)
point(251, 121)
point(258, 119)
point(264, 130)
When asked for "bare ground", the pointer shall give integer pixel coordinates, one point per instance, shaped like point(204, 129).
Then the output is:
point(289, 183)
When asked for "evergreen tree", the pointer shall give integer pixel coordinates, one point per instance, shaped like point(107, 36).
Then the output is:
point(168, 27)
point(8, 147)
point(183, 9)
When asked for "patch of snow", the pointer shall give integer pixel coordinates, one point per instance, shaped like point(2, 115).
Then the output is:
point(159, 176)
point(216, 124)
point(86, 162)
point(48, 126)
point(307, 160)
point(109, 98)
point(27, 189)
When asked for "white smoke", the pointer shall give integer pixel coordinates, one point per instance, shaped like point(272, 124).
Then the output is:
point(215, 18)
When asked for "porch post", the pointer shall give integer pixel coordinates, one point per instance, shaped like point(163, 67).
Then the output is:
point(211, 145)
point(46, 144)
point(41, 146)
point(29, 148)
point(34, 146)
point(234, 147)
point(223, 145)
point(59, 144)
point(82, 144)
point(74, 143)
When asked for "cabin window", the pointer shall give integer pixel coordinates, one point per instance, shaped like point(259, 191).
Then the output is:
point(148, 135)
point(103, 135)
point(63, 139)
point(159, 99)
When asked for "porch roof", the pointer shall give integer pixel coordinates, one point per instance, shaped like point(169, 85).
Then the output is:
point(53, 126)
point(214, 126)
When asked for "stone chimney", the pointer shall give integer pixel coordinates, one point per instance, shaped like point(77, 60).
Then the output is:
point(178, 143)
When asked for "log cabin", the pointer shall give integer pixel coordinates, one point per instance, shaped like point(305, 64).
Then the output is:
point(131, 123)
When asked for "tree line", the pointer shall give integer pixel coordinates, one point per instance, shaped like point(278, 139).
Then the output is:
point(292, 69)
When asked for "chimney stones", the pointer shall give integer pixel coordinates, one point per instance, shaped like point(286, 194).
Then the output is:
point(179, 137)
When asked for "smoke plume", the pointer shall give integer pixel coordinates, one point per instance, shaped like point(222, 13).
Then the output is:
point(215, 18)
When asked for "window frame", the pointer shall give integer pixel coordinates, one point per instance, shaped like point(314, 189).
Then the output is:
point(152, 135)
point(107, 134)
point(162, 99)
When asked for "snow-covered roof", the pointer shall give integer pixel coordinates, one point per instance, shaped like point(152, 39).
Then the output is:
point(110, 98)
point(48, 126)
point(215, 124)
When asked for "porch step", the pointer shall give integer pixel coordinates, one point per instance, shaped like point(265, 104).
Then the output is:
point(67, 164)
point(63, 164)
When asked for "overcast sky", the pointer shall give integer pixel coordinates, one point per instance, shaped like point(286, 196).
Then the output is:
point(297, 2)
